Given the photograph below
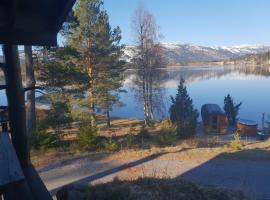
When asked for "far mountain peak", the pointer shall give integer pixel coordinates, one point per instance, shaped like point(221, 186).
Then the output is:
point(180, 53)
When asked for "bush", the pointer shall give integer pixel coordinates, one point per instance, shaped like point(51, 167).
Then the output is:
point(59, 112)
point(41, 138)
point(88, 138)
point(167, 134)
point(166, 126)
point(143, 136)
point(130, 140)
point(110, 145)
point(165, 139)
point(236, 142)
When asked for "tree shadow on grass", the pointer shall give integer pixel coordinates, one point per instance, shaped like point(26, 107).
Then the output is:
point(233, 171)
point(115, 170)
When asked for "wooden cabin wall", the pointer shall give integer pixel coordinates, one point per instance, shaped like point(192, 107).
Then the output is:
point(247, 130)
point(222, 124)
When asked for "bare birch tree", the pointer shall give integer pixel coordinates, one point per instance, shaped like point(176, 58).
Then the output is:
point(147, 60)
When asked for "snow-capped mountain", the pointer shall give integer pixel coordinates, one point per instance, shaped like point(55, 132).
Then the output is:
point(176, 53)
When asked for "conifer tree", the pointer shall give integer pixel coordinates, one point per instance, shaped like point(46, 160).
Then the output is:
point(99, 49)
point(61, 80)
point(182, 112)
point(231, 109)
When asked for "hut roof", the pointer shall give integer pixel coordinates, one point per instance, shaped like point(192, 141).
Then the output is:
point(211, 109)
point(32, 22)
point(247, 122)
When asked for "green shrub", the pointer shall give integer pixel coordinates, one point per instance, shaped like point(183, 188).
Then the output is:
point(110, 145)
point(167, 134)
point(165, 139)
point(130, 140)
point(41, 138)
point(236, 142)
point(144, 134)
point(166, 126)
point(88, 138)
point(59, 114)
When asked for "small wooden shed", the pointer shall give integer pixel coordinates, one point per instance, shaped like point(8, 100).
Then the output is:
point(214, 119)
point(247, 127)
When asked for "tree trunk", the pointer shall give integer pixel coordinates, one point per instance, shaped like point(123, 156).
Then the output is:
point(108, 118)
point(92, 115)
point(151, 95)
point(92, 111)
point(30, 95)
point(145, 103)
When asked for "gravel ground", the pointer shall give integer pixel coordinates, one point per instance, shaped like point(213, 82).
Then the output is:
point(252, 177)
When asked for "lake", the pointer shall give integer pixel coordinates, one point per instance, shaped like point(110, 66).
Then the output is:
point(249, 85)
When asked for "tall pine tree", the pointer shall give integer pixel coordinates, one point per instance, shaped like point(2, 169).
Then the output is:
point(99, 50)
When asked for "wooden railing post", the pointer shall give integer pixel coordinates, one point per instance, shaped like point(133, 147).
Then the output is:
point(32, 186)
point(16, 104)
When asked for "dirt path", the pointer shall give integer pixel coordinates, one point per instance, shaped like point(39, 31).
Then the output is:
point(252, 177)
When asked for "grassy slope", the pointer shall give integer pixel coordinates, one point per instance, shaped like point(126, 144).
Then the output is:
point(154, 189)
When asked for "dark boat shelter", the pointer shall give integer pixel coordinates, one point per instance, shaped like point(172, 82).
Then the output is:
point(23, 22)
point(214, 119)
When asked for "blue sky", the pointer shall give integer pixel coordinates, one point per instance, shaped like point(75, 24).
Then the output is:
point(204, 22)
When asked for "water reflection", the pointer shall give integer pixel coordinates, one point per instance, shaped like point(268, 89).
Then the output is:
point(248, 84)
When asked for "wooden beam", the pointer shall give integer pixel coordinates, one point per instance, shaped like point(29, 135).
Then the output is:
point(32, 187)
point(15, 96)
point(24, 37)
point(68, 4)
point(16, 104)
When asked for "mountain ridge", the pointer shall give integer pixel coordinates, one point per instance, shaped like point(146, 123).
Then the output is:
point(181, 54)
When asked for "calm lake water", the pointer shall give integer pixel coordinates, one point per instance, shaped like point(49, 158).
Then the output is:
point(249, 85)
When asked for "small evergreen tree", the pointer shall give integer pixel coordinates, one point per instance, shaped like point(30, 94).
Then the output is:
point(182, 112)
point(231, 109)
